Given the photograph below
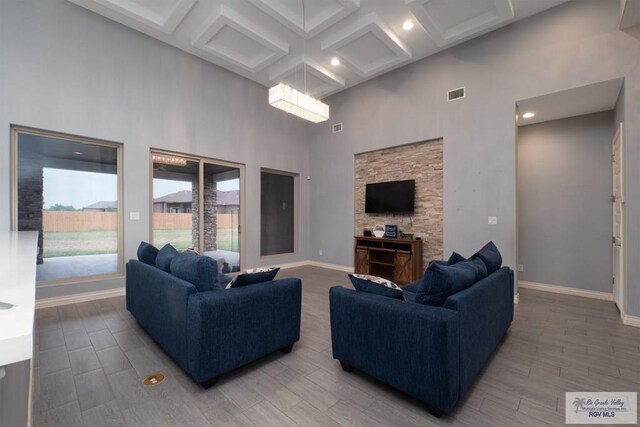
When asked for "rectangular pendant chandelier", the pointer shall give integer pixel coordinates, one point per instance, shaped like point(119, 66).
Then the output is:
point(297, 103)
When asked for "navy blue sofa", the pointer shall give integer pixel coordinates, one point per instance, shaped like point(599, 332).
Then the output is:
point(432, 353)
point(210, 333)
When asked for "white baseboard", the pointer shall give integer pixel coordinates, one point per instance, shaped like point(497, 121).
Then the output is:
point(345, 268)
point(606, 296)
point(292, 264)
point(307, 262)
point(631, 320)
point(76, 298)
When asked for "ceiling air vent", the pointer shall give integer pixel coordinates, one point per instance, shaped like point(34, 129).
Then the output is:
point(454, 94)
point(337, 128)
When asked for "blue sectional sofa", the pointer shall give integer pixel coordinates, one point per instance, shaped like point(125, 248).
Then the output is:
point(209, 333)
point(433, 353)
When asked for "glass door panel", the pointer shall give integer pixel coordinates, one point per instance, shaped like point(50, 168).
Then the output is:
point(175, 201)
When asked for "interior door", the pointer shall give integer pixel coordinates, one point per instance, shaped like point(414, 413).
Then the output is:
point(617, 200)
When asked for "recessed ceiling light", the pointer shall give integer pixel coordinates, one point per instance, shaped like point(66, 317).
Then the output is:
point(335, 62)
point(77, 153)
point(408, 25)
point(528, 115)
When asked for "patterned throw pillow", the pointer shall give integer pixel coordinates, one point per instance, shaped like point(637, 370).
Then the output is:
point(376, 285)
point(252, 276)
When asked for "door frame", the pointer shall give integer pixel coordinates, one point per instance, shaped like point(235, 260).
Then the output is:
point(201, 162)
point(619, 134)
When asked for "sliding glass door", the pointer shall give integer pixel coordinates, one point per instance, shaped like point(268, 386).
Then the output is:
point(175, 200)
point(197, 205)
point(67, 188)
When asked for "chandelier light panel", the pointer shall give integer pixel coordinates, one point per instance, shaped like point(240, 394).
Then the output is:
point(297, 103)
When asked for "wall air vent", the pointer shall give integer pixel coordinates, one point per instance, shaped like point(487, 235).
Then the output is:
point(454, 94)
point(337, 128)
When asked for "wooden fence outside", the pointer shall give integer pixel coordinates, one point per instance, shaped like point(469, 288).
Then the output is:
point(62, 221)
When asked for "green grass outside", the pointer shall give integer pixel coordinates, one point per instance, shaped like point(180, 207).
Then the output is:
point(60, 244)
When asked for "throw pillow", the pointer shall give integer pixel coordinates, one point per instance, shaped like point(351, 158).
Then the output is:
point(147, 253)
point(253, 276)
point(441, 281)
point(376, 285)
point(201, 271)
point(491, 257)
point(164, 257)
point(453, 259)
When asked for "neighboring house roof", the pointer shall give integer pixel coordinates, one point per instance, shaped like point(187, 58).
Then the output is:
point(229, 198)
point(183, 196)
point(225, 198)
point(103, 205)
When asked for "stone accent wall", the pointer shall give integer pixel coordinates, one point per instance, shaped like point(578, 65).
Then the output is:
point(30, 196)
point(210, 214)
point(420, 161)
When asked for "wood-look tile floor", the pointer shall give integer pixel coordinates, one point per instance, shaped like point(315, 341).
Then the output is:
point(91, 357)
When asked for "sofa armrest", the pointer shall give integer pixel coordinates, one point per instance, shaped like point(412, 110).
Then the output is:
point(158, 301)
point(232, 327)
point(485, 311)
point(410, 346)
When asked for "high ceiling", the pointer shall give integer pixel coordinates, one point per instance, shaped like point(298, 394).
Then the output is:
point(269, 42)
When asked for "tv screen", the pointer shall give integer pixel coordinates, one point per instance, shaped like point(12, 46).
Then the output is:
point(390, 197)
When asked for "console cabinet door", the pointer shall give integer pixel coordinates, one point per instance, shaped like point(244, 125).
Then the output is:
point(403, 267)
point(362, 261)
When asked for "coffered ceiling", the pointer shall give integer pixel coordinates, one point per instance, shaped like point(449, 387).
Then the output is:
point(268, 41)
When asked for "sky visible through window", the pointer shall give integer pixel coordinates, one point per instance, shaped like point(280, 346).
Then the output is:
point(80, 189)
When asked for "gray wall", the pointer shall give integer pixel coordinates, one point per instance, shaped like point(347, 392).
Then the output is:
point(564, 206)
point(66, 69)
point(575, 44)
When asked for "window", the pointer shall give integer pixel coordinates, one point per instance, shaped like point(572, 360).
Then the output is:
point(68, 189)
point(196, 205)
point(277, 212)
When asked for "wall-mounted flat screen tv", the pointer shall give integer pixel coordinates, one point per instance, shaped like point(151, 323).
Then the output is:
point(390, 197)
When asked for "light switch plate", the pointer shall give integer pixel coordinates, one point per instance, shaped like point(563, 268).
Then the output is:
point(134, 216)
point(520, 267)
point(492, 220)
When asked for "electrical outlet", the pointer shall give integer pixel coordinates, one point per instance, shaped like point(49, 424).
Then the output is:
point(520, 267)
point(320, 252)
point(492, 220)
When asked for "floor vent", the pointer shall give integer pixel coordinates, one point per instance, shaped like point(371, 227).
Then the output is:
point(153, 379)
point(454, 94)
point(337, 128)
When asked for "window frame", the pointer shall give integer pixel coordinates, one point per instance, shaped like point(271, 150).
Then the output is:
point(15, 132)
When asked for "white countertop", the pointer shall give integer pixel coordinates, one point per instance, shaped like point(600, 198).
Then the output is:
point(18, 287)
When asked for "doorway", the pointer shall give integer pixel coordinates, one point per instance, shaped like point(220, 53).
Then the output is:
point(570, 193)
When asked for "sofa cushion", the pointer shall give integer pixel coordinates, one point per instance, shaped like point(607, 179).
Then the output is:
point(491, 257)
point(376, 285)
point(478, 265)
point(255, 275)
point(201, 271)
point(441, 281)
point(164, 257)
point(147, 253)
